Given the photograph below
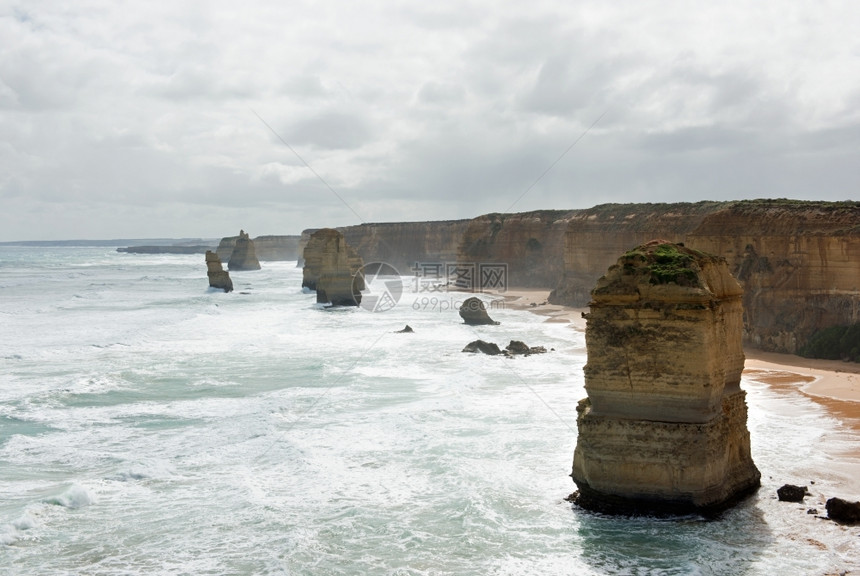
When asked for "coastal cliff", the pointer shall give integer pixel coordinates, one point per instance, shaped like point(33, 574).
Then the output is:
point(798, 261)
point(529, 243)
point(593, 238)
point(403, 244)
point(663, 428)
point(268, 248)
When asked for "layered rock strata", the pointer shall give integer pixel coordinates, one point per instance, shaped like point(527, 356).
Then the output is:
point(799, 264)
point(244, 256)
point(218, 277)
point(663, 428)
point(798, 261)
point(333, 269)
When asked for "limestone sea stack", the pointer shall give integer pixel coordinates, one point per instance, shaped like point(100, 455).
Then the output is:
point(244, 256)
point(333, 269)
point(218, 277)
point(663, 429)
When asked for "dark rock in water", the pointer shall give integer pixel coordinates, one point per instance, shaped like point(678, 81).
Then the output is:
point(218, 277)
point(244, 256)
point(791, 493)
point(490, 348)
point(843, 511)
point(407, 330)
point(474, 312)
point(518, 347)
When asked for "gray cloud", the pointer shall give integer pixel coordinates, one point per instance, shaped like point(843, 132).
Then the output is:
point(140, 120)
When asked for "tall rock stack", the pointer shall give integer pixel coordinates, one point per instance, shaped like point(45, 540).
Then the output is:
point(663, 428)
point(333, 269)
point(244, 256)
point(218, 277)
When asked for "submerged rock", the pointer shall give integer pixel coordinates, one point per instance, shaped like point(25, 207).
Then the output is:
point(474, 312)
point(663, 428)
point(843, 511)
point(791, 493)
point(218, 277)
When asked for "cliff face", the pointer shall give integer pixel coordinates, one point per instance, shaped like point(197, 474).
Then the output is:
point(267, 248)
point(799, 264)
point(664, 424)
point(333, 269)
point(402, 244)
point(529, 243)
point(594, 238)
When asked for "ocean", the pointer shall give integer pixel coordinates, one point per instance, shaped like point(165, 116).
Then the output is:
point(150, 425)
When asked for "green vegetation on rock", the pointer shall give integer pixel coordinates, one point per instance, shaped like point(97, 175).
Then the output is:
point(665, 263)
point(834, 343)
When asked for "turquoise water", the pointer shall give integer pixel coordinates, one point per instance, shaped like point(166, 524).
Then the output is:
point(151, 426)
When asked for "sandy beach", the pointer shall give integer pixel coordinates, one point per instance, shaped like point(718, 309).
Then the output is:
point(832, 383)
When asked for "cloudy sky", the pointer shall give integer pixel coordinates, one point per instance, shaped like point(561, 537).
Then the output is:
point(195, 119)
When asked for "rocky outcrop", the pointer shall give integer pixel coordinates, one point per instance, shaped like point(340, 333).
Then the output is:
point(218, 277)
point(843, 511)
point(333, 269)
point(663, 428)
point(244, 255)
point(791, 493)
point(515, 348)
point(490, 348)
point(473, 311)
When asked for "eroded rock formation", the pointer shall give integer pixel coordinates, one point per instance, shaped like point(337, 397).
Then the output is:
point(244, 256)
point(663, 428)
point(218, 277)
point(473, 311)
point(333, 269)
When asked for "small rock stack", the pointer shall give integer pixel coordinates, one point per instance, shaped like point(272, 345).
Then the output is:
point(663, 429)
point(218, 277)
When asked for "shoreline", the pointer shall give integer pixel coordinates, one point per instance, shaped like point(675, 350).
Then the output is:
point(832, 383)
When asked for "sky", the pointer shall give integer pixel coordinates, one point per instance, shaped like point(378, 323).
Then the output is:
point(196, 119)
